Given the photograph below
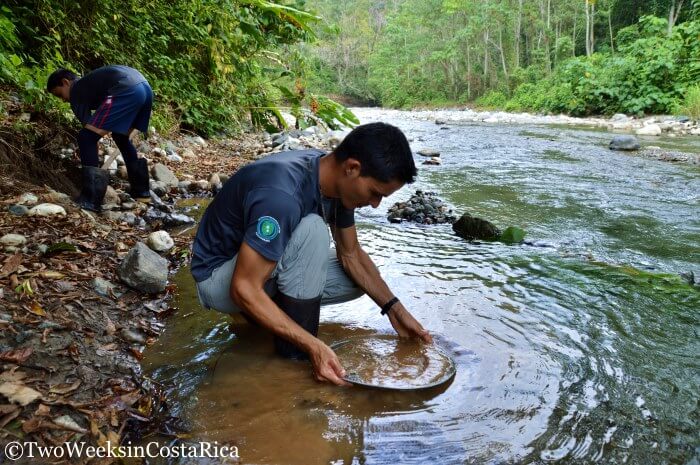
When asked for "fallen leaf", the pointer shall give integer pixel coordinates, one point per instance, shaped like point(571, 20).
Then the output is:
point(11, 265)
point(32, 425)
point(19, 393)
point(36, 309)
point(8, 413)
point(64, 286)
point(17, 356)
point(51, 274)
point(67, 422)
point(12, 375)
point(43, 411)
point(65, 388)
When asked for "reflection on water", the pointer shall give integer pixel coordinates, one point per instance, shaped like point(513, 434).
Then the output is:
point(583, 350)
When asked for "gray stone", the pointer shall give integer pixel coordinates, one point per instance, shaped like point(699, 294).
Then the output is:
point(47, 209)
point(160, 241)
point(105, 288)
point(470, 228)
point(13, 240)
point(122, 173)
point(619, 118)
point(428, 153)
point(163, 174)
point(184, 185)
point(111, 215)
point(649, 130)
point(199, 141)
point(159, 152)
point(134, 336)
point(223, 178)
point(624, 142)
point(111, 196)
point(57, 197)
point(175, 158)
point(144, 270)
point(129, 218)
point(28, 199)
point(188, 153)
point(18, 210)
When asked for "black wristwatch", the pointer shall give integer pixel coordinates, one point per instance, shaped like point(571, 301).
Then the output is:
point(387, 306)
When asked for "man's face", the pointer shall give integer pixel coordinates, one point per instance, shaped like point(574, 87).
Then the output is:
point(360, 191)
point(62, 91)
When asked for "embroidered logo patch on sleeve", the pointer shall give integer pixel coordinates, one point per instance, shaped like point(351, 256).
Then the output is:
point(268, 228)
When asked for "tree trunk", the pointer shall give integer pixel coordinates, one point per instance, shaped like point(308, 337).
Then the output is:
point(612, 43)
point(518, 26)
point(503, 54)
point(673, 13)
point(573, 35)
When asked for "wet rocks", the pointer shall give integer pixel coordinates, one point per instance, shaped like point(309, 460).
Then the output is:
point(160, 241)
point(144, 270)
point(156, 217)
point(433, 161)
point(47, 209)
point(421, 208)
point(625, 142)
point(472, 228)
point(428, 153)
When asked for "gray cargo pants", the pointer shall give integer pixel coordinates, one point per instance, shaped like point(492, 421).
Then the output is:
point(308, 268)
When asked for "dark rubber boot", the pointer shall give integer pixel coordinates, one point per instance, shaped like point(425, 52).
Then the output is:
point(95, 182)
point(137, 171)
point(305, 313)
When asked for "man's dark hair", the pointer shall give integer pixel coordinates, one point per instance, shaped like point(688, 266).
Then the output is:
point(382, 150)
point(58, 76)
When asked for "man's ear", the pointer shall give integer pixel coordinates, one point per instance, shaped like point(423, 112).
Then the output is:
point(352, 167)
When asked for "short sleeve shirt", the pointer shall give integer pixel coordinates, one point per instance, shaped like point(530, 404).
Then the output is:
point(262, 204)
point(88, 92)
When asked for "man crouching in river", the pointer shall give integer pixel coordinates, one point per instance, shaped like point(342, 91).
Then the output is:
point(263, 246)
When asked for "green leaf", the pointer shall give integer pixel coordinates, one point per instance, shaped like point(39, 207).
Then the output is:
point(59, 247)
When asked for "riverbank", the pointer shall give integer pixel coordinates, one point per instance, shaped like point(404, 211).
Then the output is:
point(657, 125)
point(73, 330)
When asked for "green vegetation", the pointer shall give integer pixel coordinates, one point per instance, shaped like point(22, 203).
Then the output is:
point(691, 104)
point(579, 57)
point(215, 66)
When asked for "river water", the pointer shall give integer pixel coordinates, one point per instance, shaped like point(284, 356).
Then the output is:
point(580, 346)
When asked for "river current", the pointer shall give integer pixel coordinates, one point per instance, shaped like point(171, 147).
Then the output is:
point(580, 346)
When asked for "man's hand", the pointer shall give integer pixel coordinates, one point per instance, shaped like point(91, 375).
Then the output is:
point(326, 365)
point(407, 326)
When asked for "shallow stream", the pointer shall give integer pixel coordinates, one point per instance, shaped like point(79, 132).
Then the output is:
point(581, 347)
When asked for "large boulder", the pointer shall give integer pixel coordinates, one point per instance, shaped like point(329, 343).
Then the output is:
point(470, 228)
point(144, 270)
point(625, 142)
point(163, 174)
point(428, 153)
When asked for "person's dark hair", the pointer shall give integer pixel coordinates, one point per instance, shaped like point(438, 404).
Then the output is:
point(382, 150)
point(58, 76)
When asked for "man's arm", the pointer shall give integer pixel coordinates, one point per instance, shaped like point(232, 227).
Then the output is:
point(360, 267)
point(249, 276)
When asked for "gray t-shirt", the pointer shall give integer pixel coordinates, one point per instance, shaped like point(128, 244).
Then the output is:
point(262, 204)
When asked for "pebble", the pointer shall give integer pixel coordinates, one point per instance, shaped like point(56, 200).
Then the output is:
point(28, 199)
point(18, 210)
point(160, 241)
point(47, 209)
